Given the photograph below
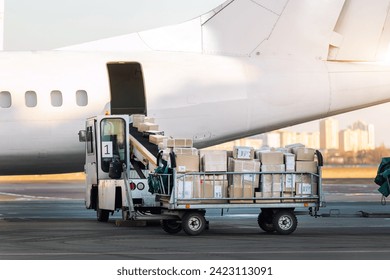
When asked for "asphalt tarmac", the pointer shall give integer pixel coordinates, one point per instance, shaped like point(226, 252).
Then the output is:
point(48, 221)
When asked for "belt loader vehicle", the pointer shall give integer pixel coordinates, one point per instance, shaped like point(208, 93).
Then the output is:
point(118, 178)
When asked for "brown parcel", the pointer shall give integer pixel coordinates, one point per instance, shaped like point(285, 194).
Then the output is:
point(304, 154)
point(147, 126)
point(289, 161)
point(242, 152)
point(248, 180)
point(306, 166)
point(138, 119)
point(188, 187)
point(270, 158)
point(267, 195)
point(156, 139)
point(306, 189)
point(214, 162)
point(187, 163)
point(306, 185)
point(268, 179)
point(186, 151)
point(241, 192)
point(215, 187)
point(179, 143)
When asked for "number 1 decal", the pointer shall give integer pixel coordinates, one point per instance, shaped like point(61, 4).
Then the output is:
point(107, 151)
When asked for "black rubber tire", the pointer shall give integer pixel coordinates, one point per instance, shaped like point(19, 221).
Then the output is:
point(285, 222)
point(101, 214)
point(265, 221)
point(171, 226)
point(193, 223)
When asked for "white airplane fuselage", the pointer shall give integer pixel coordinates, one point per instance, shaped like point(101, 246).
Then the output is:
point(208, 98)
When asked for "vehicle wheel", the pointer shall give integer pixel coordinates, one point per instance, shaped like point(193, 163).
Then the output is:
point(265, 221)
point(285, 222)
point(193, 223)
point(101, 214)
point(171, 226)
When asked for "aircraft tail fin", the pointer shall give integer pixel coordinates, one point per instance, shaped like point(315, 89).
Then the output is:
point(353, 30)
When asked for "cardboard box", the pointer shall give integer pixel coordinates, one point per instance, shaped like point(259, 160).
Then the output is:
point(179, 143)
point(289, 161)
point(138, 119)
point(241, 192)
point(142, 127)
point(306, 189)
point(214, 162)
point(241, 152)
point(304, 154)
point(149, 120)
point(306, 166)
point(291, 147)
point(268, 179)
point(269, 158)
point(275, 188)
point(244, 166)
point(186, 151)
point(187, 163)
point(306, 185)
point(306, 179)
point(267, 195)
point(188, 187)
point(289, 183)
point(215, 187)
point(157, 139)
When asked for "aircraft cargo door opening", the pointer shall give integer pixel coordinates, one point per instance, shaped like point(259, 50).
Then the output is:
point(127, 88)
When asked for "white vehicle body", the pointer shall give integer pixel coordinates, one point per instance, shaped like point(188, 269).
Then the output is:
point(245, 68)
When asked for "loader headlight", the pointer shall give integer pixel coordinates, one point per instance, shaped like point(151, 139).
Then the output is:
point(140, 186)
point(132, 186)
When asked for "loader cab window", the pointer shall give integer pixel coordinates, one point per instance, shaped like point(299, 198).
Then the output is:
point(113, 140)
point(90, 149)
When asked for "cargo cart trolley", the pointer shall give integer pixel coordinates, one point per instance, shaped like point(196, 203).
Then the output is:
point(278, 207)
point(116, 182)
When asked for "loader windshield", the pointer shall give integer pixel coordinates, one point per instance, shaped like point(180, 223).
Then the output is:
point(113, 140)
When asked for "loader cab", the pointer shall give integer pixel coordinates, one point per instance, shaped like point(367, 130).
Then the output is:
point(107, 151)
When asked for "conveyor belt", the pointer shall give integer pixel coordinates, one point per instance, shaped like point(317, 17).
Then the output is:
point(150, 150)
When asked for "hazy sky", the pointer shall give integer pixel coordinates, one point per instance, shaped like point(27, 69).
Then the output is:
point(48, 24)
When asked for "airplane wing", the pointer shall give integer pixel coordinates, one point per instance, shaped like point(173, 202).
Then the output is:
point(353, 30)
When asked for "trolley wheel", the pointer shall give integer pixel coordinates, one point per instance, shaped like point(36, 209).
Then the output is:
point(193, 223)
point(171, 226)
point(265, 221)
point(285, 222)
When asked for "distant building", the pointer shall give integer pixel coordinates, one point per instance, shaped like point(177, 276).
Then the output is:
point(281, 138)
point(272, 139)
point(371, 137)
point(357, 137)
point(287, 138)
point(348, 140)
point(329, 134)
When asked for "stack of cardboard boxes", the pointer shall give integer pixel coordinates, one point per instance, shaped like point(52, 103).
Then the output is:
point(187, 161)
point(148, 126)
point(271, 185)
point(306, 185)
point(214, 186)
point(242, 186)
